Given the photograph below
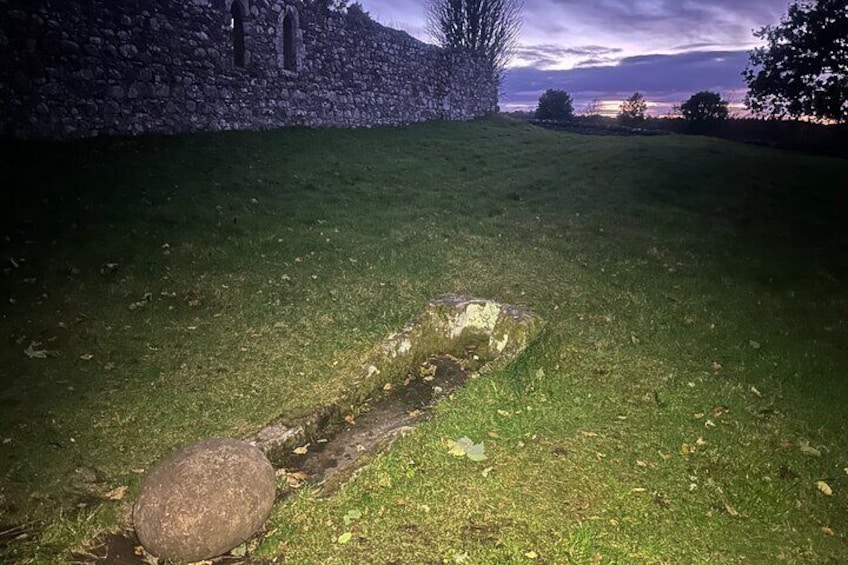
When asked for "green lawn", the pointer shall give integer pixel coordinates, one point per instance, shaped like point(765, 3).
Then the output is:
point(685, 399)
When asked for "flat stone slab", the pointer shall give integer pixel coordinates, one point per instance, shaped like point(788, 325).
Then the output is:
point(452, 324)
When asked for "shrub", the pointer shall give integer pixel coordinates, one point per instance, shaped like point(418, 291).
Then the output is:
point(555, 105)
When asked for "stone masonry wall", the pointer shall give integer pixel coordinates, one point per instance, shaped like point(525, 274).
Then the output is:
point(82, 68)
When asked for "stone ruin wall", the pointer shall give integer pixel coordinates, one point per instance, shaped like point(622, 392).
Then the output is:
point(82, 68)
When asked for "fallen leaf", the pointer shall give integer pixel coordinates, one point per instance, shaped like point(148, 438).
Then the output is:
point(756, 392)
point(494, 435)
point(344, 538)
point(87, 356)
point(589, 434)
point(531, 555)
point(827, 531)
point(731, 510)
point(387, 387)
point(824, 488)
point(487, 471)
point(302, 450)
point(293, 480)
point(117, 493)
point(477, 452)
point(34, 353)
point(640, 463)
point(464, 447)
point(720, 410)
point(807, 449)
point(349, 420)
point(351, 516)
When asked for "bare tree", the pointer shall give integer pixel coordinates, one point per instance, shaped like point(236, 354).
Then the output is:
point(488, 27)
point(593, 109)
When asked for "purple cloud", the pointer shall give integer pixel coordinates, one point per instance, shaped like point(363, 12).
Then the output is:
point(662, 78)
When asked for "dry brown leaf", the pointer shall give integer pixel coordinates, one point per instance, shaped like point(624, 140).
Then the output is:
point(349, 420)
point(295, 479)
point(824, 488)
point(302, 450)
point(731, 510)
point(720, 410)
point(827, 531)
point(117, 493)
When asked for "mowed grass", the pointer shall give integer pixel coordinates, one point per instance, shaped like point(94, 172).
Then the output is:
point(682, 405)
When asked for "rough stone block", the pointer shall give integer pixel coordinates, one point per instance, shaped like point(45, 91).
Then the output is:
point(204, 500)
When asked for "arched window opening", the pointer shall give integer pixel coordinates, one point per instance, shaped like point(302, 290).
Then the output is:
point(237, 26)
point(289, 42)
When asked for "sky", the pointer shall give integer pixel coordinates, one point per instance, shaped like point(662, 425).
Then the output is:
point(607, 49)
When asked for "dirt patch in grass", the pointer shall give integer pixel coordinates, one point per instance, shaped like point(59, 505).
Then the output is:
point(331, 460)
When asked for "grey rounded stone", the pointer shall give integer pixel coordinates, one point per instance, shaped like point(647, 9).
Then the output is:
point(204, 500)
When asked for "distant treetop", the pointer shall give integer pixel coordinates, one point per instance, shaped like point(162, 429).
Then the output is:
point(704, 106)
point(555, 105)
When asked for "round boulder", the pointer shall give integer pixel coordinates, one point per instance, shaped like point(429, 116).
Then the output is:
point(204, 500)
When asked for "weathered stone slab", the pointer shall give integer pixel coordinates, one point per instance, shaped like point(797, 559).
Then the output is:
point(451, 324)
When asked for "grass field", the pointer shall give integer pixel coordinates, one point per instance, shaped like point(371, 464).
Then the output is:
point(686, 402)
